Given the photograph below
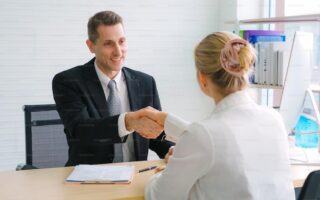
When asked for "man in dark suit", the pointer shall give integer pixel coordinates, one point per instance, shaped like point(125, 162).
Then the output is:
point(94, 101)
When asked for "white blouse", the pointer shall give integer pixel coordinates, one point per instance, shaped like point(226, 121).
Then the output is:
point(239, 152)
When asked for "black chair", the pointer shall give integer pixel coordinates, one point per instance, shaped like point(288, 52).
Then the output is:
point(311, 187)
point(46, 143)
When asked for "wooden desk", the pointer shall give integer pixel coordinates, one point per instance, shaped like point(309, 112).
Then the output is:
point(300, 173)
point(49, 184)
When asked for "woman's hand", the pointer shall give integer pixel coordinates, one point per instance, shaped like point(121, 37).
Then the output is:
point(169, 154)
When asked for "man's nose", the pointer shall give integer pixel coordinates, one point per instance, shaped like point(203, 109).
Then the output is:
point(117, 50)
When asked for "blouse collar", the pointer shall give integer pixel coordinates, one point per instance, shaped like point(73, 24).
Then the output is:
point(233, 99)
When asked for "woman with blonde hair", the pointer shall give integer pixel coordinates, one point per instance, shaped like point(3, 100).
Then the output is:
point(238, 152)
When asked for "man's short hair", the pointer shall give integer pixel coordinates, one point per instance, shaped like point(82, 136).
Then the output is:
point(107, 18)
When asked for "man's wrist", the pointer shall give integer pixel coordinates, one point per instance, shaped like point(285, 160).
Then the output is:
point(122, 126)
point(127, 121)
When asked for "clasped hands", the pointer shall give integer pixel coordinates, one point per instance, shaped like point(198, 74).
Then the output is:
point(148, 122)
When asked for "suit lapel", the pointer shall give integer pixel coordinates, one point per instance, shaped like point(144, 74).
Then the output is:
point(134, 95)
point(94, 88)
point(133, 89)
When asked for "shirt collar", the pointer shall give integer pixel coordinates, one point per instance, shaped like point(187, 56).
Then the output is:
point(104, 79)
point(233, 99)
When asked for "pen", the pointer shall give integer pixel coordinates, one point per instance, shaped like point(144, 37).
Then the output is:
point(147, 169)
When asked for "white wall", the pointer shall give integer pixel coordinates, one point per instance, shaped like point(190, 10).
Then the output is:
point(39, 38)
point(306, 7)
point(232, 11)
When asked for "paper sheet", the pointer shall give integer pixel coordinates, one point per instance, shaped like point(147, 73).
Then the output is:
point(110, 173)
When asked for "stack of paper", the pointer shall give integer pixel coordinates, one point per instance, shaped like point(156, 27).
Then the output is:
point(101, 174)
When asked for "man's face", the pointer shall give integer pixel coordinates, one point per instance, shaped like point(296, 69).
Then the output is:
point(110, 48)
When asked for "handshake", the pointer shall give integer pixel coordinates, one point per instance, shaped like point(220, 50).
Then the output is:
point(148, 122)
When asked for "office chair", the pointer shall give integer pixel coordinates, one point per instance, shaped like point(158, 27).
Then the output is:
point(46, 143)
point(311, 187)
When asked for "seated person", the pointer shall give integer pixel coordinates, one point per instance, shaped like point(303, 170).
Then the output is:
point(93, 100)
point(240, 151)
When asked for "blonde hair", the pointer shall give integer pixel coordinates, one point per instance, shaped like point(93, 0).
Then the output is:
point(208, 61)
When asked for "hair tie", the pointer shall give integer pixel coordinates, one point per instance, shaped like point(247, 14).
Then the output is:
point(229, 56)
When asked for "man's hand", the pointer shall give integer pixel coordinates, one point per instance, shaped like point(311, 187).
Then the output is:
point(155, 115)
point(146, 127)
point(148, 122)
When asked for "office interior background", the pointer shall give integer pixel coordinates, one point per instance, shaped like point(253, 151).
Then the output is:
point(42, 38)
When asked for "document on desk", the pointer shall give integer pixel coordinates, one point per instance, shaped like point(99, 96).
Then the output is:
point(101, 174)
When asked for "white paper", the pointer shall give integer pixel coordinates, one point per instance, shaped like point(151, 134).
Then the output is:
point(112, 173)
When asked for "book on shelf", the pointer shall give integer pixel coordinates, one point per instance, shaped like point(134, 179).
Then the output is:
point(101, 174)
point(274, 70)
point(283, 59)
point(266, 38)
point(268, 45)
point(270, 66)
point(245, 34)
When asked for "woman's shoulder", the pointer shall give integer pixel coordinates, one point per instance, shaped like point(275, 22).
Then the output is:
point(269, 111)
point(204, 128)
point(199, 134)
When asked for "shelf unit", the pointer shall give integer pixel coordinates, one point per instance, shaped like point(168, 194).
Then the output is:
point(275, 20)
point(264, 86)
point(280, 91)
point(287, 19)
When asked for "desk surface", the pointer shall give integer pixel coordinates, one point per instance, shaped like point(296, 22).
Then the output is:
point(49, 184)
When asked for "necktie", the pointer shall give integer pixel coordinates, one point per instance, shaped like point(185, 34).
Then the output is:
point(114, 108)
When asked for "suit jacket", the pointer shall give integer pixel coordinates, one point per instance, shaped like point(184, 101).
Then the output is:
point(82, 106)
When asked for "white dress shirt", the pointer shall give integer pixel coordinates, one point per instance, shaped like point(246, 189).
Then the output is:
point(121, 87)
point(239, 152)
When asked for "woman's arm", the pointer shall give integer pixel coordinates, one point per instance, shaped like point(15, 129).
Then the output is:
point(192, 158)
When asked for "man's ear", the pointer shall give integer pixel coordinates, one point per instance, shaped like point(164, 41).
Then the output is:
point(90, 45)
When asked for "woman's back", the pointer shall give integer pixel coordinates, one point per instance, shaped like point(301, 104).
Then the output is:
point(250, 152)
point(241, 150)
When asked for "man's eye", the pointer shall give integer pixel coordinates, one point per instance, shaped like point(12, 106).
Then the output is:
point(107, 44)
point(122, 41)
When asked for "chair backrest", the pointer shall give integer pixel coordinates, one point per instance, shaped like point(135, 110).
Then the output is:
point(311, 187)
point(46, 143)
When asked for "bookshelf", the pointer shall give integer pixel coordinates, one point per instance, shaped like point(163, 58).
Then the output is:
point(276, 20)
point(298, 74)
point(287, 19)
point(298, 19)
point(265, 86)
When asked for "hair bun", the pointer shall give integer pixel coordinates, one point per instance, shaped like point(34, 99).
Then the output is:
point(229, 56)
